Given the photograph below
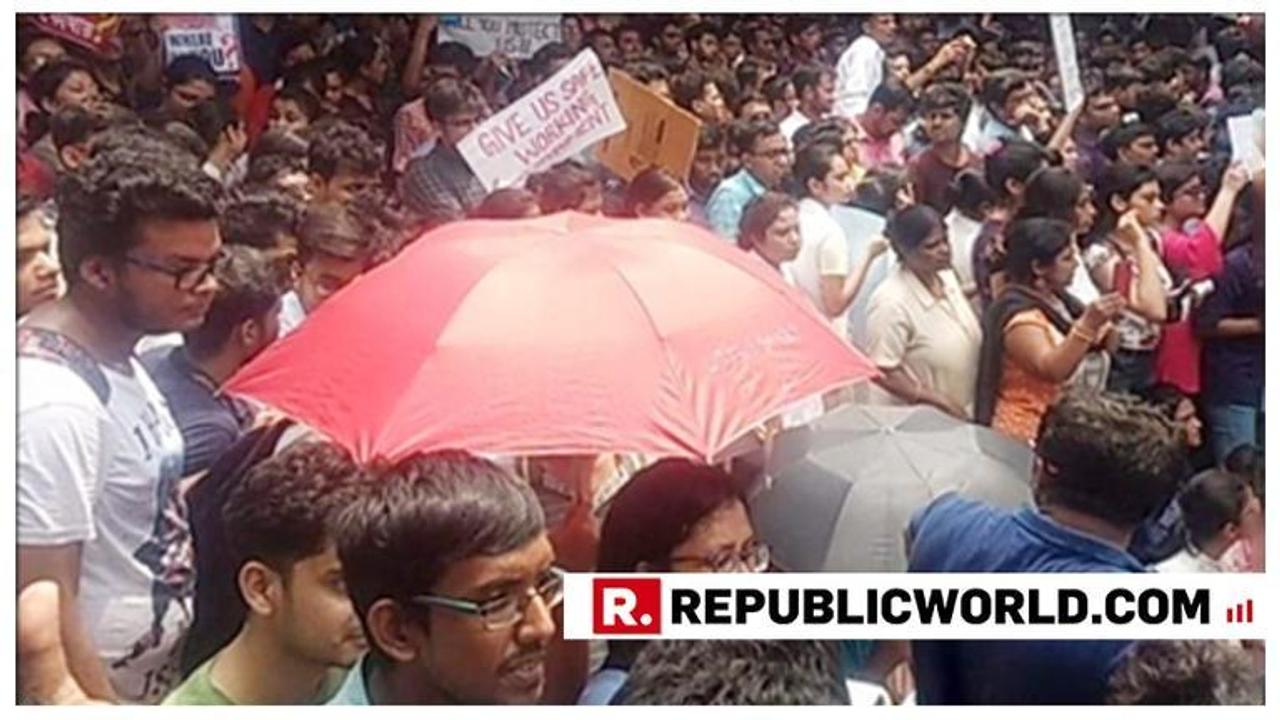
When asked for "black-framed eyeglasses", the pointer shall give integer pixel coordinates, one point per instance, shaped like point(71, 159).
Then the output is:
point(185, 278)
point(503, 612)
point(754, 557)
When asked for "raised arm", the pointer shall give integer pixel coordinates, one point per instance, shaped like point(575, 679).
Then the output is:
point(1031, 347)
point(411, 80)
point(1219, 215)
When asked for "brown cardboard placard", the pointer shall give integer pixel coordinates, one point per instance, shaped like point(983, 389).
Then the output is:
point(658, 132)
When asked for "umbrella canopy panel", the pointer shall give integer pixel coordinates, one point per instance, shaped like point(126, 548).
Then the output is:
point(564, 334)
point(843, 490)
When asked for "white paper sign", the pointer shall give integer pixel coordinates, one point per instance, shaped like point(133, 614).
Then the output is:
point(558, 119)
point(1064, 44)
point(516, 36)
point(212, 37)
point(972, 135)
point(1243, 131)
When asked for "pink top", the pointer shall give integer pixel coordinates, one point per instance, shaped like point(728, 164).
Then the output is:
point(875, 153)
point(412, 129)
point(1196, 255)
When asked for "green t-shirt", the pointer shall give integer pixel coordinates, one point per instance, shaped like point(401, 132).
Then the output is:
point(198, 689)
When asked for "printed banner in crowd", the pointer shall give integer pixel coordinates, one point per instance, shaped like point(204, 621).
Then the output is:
point(213, 37)
point(98, 33)
point(558, 119)
point(516, 36)
point(1064, 43)
point(658, 132)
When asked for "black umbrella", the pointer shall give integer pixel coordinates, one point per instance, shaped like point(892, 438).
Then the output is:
point(843, 489)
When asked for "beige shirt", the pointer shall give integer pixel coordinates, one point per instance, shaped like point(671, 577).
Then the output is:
point(936, 341)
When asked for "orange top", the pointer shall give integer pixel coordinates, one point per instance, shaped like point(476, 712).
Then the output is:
point(1023, 396)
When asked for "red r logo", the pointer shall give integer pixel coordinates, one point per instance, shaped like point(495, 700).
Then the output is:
point(626, 606)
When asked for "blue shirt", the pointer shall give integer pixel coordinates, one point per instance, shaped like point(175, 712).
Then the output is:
point(210, 422)
point(730, 198)
point(603, 687)
point(1233, 368)
point(953, 534)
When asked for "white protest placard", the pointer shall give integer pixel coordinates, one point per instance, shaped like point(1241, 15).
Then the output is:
point(558, 119)
point(1064, 44)
point(212, 37)
point(516, 36)
point(972, 135)
point(1243, 131)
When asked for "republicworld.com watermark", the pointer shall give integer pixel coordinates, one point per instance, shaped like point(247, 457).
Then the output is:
point(899, 606)
point(939, 606)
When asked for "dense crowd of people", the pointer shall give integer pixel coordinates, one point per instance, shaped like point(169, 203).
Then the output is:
point(1086, 280)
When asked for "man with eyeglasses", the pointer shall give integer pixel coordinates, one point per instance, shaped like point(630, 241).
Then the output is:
point(98, 453)
point(447, 560)
point(440, 186)
point(766, 162)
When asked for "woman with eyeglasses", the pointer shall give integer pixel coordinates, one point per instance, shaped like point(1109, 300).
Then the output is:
point(1191, 243)
point(1123, 258)
point(674, 516)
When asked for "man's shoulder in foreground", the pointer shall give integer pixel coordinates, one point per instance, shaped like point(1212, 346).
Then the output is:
point(198, 689)
point(954, 534)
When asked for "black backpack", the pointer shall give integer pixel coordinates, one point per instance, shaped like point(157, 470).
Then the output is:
point(219, 609)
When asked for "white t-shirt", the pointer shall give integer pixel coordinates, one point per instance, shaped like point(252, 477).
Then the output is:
point(151, 342)
point(292, 313)
point(108, 477)
point(1082, 287)
point(1188, 561)
point(792, 124)
point(935, 341)
point(810, 408)
point(823, 251)
point(861, 227)
point(962, 232)
point(860, 70)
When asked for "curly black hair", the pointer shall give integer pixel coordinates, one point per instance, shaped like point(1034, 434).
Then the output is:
point(1185, 672)
point(342, 147)
point(283, 510)
point(1113, 457)
point(258, 218)
point(739, 672)
point(249, 287)
point(133, 177)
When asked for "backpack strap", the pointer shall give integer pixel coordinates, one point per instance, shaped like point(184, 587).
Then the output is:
point(44, 344)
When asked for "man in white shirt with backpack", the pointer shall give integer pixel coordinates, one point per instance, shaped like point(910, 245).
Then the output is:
point(99, 457)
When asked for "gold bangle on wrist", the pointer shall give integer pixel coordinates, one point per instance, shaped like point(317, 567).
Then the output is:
point(1078, 333)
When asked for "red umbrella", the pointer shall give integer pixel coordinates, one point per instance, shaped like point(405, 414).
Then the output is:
point(565, 334)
